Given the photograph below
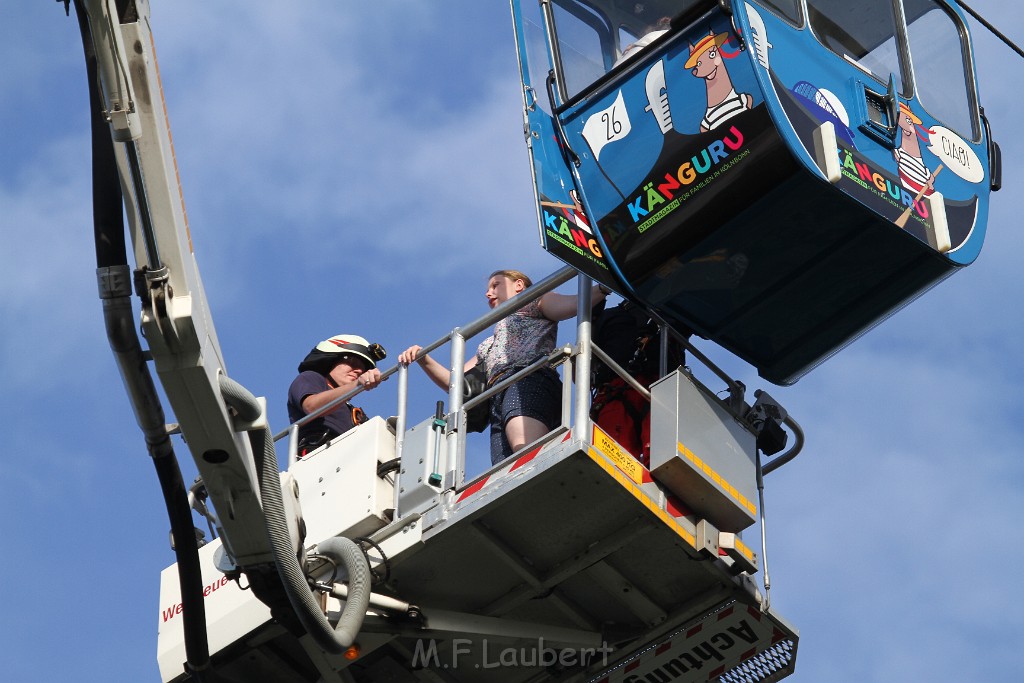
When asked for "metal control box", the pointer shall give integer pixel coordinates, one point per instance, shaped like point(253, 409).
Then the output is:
point(702, 453)
point(340, 491)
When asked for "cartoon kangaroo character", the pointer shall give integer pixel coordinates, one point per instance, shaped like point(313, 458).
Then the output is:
point(914, 174)
point(723, 102)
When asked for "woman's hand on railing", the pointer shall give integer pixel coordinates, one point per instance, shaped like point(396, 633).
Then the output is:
point(408, 356)
point(438, 374)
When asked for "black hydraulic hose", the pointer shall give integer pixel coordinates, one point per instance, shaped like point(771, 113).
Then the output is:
point(124, 342)
point(107, 202)
point(115, 292)
point(186, 551)
point(389, 466)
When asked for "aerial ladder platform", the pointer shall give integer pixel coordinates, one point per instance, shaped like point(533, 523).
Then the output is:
point(570, 560)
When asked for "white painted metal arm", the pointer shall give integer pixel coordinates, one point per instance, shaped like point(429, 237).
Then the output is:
point(175, 316)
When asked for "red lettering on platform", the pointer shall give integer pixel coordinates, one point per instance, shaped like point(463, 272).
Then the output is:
point(174, 610)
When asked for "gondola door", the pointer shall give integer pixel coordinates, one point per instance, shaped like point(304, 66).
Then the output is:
point(565, 226)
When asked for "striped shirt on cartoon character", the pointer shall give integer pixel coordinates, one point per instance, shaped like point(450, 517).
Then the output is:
point(914, 173)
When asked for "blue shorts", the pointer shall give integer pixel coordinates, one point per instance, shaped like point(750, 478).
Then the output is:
point(538, 396)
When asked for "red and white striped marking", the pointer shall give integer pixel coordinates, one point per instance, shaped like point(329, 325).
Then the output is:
point(510, 466)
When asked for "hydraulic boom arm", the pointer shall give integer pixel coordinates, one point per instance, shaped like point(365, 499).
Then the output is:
point(175, 317)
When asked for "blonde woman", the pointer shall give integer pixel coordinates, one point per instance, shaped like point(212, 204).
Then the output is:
point(530, 408)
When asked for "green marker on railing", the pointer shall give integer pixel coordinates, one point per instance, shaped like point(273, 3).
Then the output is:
point(438, 426)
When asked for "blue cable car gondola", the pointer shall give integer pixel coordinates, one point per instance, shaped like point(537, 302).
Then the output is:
point(774, 175)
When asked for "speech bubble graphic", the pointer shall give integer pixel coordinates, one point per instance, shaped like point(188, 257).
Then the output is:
point(955, 154)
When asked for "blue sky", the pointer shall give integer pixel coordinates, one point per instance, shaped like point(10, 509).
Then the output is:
point(359, 168)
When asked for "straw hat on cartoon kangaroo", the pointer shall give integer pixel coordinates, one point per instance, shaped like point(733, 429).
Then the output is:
point(706, 62)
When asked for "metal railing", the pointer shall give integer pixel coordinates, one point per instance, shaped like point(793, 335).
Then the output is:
point(455, 416)
point(575, 409)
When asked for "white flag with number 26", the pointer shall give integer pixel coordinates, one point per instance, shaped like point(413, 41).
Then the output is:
point(606, 126)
